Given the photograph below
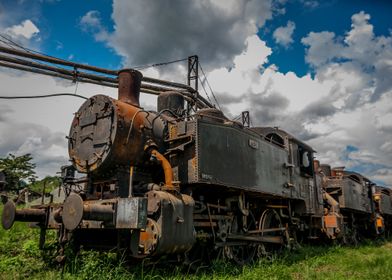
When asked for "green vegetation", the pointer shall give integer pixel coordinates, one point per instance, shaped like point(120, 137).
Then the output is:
point(49, 182)
point(20, 258)
point(16, 170)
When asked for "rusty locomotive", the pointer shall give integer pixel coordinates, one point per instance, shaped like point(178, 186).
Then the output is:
point(167, 183)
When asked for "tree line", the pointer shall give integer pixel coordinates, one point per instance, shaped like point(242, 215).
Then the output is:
point(18, 172)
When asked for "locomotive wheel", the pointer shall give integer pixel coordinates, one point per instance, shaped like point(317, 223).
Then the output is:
point(244, 252)
point(269, 221)
point(349, 237)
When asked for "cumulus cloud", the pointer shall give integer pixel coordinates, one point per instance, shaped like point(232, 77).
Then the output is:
point(48, 148)
point(360, 50)
point(26, 29)
point(91, 19)
point(150, 31)
point(91, 22)
point(358, 64)
point(284, 35)
point(24, 33)
point(39, 126)
point(332, 109)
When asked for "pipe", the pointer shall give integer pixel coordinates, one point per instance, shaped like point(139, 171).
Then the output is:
point(98, 212)
point(11, 214)
point(316, 165)
point(54, 74)
point(154, 90)
point(56, 60)
point(150, 85)
point(129, 82)
point(72, 73)
point(332, 202)
point(167, 169)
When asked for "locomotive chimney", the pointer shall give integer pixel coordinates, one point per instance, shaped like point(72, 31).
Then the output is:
point(129, 82)
point(316, 165)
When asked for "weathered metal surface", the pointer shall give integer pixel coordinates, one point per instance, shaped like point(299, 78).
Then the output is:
point(129, 82)
point(352, 195)
point(8, 216)
point(72, 213)
point(131, 213)
point(385, 200)
point(149, 237)
point(106, 132)
point(332, 224)
point(261, 239)
point(236, 162)
point(167, 169)
point(175, 221)
point(170, 102)
point(120, 213)
point(11, 214)
point(326, 169)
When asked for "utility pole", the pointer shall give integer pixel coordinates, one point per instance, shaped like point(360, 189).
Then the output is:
point(193, 79)
point(245, 119)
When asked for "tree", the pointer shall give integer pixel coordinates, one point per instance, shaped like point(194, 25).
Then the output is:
point(16, 169)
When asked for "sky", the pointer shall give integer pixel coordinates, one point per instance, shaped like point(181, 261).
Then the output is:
point(320, 70)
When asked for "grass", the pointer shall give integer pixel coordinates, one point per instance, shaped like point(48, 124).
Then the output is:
point(21, 258)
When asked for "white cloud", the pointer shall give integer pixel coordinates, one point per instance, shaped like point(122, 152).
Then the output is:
point(91, 19)
point(27, 29)
point(311, 4)
point(284, 35)
point(334, 109)
point(39, 126)
point(155, 31)
point(348, 100)
point(91, 22)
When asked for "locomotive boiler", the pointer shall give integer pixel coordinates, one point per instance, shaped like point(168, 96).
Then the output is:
point(171, 183)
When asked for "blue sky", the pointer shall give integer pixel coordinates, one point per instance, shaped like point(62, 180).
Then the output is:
point(327, 15)
point(62, 35)
point(318, 69)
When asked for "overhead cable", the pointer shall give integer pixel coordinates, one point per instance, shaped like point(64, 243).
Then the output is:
point(208, 84)
point(158, 64)
point(42, 96)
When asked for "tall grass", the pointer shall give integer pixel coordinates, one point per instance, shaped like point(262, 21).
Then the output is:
point(21, 258)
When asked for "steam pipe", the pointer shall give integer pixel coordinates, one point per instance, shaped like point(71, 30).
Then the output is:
point(332, 202)
point(129, 82)
point(167, 169)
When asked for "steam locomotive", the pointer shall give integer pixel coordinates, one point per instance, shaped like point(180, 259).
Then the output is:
point(167, 183)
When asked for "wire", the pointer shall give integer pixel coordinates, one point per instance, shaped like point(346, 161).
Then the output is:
point(42, 96)
point(208, 84)
point(76, 86)
point(158, 64)
point(21, 47)
point(7, 43)
point(237, 117)
point(204, 89)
